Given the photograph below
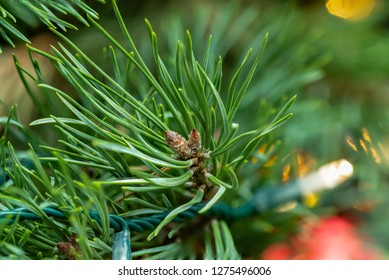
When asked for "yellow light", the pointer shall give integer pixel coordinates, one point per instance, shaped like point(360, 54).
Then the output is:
point(375, 155)
point(366, 135)
point(310, 199)
point(351, 144)
point(350, 9)
point(384, 150)
point(363, 145)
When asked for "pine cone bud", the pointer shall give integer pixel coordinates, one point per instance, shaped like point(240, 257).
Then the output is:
point(69, 250)
point(177, 143)
point(194, 141)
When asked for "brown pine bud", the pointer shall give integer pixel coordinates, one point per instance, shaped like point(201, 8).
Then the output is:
point(194, 141)
point(177, 143)
point(68, 250)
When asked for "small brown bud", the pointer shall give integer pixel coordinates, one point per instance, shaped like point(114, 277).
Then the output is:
point(194, 141)
point(185, 149)
point(177, 143)
point(65, 250)
point(68, 250)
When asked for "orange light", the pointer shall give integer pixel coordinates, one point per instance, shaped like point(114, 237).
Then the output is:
point(262, 151)
point(286, 173)
point(303, 161)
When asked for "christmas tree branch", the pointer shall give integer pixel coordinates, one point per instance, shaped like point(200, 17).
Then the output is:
point(126, 151)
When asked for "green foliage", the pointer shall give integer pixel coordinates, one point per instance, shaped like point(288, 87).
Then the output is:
point(51, 13)
point(113, 154)
point(223, 247)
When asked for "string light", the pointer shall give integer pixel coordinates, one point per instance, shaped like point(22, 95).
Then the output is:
point(326, 177)
point(121, 249)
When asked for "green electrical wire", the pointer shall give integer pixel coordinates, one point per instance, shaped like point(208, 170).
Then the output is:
point(121, 249)
point(263, 200)
point(222, 211)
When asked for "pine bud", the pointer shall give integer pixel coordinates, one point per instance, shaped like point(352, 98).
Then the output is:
point(177, 143)
point(194, 141)
point(68, 250)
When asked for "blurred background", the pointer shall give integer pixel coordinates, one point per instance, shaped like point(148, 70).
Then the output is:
point(333, 54)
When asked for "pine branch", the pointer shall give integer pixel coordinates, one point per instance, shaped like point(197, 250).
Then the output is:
point(171, 147)
point(52, 13)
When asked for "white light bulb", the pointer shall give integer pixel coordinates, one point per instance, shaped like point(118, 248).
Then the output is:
point(345, 168)
point(328, 176)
